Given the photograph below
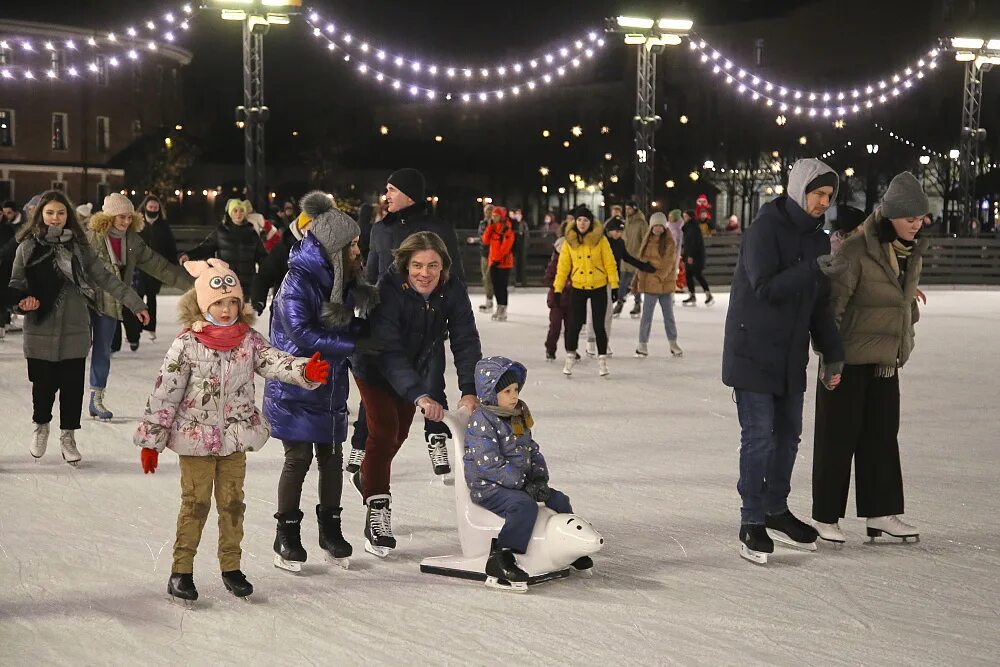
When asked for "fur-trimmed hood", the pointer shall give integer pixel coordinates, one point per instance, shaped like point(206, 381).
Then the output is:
point(189, 314)
point(591, 238)
point(101, 222)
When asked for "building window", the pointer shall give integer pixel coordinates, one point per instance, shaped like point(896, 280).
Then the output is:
point(103, 190)
point(758, 51)
point(60, 142)
point(6, 128)
point(60, 186)
point(7, 189)
point(136, 127)
point(102, 70)
point(6, 54)
point(103, 134)
point(58, 62)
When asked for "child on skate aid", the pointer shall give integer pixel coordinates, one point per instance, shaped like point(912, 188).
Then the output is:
point(505, 471)
point(203, 408)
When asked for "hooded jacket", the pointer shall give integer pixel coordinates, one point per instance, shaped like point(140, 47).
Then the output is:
point(203, 400)
point(298, 414)
point(237, 245)
point(413, 330)
point(875, 312)
point(494, 456)
point(500, 237)
point(779, 297)
point(394, 228)
point(589, 263)
point(137, 255)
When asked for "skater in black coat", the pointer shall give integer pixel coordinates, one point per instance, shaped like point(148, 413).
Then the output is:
point(160, 239)
point(693, 256)
point(235, 242)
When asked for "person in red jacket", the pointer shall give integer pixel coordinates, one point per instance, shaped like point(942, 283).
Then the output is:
point(499, 236)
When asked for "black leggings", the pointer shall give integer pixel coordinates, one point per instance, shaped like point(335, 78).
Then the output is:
point(500, 279)
point(694, 272)
point(598, 308)
point(298, 457)
point(49, 377)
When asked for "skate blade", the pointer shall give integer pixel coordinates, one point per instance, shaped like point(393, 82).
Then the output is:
point(448, 479)
point(106, 420)
point(837, 544)
point(350, 470)
point(186, 604)
point(786, 541)
point(873, 533)
point(757, 557)
point(289, 565)
point(381, 552)
point(588, 573)
point(344, 563)
point(511, 586)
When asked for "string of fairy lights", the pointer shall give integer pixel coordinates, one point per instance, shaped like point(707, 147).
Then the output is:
point(71, 58)
point(433, 81)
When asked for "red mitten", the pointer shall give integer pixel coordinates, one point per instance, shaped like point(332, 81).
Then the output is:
point(317, 370)
point(150, 457)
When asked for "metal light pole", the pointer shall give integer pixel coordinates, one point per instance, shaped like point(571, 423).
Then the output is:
point(650, 36)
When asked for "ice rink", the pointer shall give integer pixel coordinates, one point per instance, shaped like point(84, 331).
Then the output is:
point(648, 455)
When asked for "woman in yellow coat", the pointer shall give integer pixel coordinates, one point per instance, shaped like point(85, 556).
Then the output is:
point(587, 261)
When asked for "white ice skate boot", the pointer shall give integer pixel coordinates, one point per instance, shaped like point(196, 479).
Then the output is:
point(486, 307)
point(830, 532)
point(891, 525)
point(501, 314)
point(642, 350)
point(602, 365)
point(379, 540)
point(570, 362)
point(41, 442)
point(675, 349)
point(67, 440)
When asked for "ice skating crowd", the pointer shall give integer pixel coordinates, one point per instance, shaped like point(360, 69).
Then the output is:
point(379, 298)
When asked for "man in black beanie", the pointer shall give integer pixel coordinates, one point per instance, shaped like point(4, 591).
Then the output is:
point(406, 192)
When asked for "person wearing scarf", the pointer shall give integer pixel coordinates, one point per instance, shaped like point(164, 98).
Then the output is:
point(57, 280)
point(158, 235)
point(875, 306)
point(504, 468)
point(203, 407)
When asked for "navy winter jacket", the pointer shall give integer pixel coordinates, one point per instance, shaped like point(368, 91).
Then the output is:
point(413, 330)
point(393, 229)
point(778, 299)
point(298, 414)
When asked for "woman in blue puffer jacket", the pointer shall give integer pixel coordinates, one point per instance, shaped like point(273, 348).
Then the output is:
point(314, 310)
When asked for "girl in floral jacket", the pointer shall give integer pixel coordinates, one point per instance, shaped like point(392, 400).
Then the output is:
point(203, 408)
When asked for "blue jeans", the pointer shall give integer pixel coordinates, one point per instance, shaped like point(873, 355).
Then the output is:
point(520, 511)
point(649, 302)
point(103, 332)
point(771, 426)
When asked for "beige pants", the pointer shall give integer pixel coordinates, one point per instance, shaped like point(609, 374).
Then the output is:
point(199, 476)
point(484, 266)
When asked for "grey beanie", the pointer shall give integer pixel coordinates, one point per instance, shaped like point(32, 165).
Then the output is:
point(905, 198)
point(333, 230)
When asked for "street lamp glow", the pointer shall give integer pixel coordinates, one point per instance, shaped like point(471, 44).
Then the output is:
point(576, 131)
point(683, 120)
point(954, 153)
point(635, 22)
point(632, 39)
point(546, 134)
point(675, 25)
point(871, 148)
point(779, 188)
point(438, 138)
point(670, 184)
point(803, 140)
point(993, 45)
point(966, 43)
point(544, 171)
point(694, 176)
point(708, 165)
point(849, 172)
point(384, 130)
point(925, 160)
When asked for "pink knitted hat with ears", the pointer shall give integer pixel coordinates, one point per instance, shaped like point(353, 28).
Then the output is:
point(214, 281)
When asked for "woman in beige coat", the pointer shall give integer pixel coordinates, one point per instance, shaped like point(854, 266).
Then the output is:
point(875, 304)
point(660, 250)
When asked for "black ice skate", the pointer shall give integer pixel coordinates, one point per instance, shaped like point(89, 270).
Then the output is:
point(354, 460)
point(502, 571)
point(756, 545)
point(437, 449)
point(690, 301)
point(236, 583)
point(618, 308)
point(789, 531)
point(289, 553)
point(331, 537)
point(636, 310)
point(379, 540)
point(583, 565)
point(181, 588)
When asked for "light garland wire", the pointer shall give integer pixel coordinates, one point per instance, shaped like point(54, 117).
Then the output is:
point(810, 103)
point(362, 53)
point(903, 140)
point(133, 40)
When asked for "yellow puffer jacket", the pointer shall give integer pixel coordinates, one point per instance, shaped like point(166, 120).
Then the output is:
point(587, 262)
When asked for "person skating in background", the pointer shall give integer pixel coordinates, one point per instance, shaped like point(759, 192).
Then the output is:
point(203, 407)
point(703, 215)
point(268, 232)
point(847, 224)
point(114, 233)
point(587, 261)
point(275, 266)
point(693, 256)
point(484, 259)
point(160, 238)
point(500, 238)
point(505, 470)
point(675, 224)
point(560, 304)
point(420, 305)
point(56, 279)
point(313, 311)
point(10, 220)
point(634, 231)
point(234, 241)
point(657, 287)
point(780, 299)
point(522, 238)
point(875, 305)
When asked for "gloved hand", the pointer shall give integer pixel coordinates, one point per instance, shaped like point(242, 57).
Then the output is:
point(831, 265)
point(149, 458)
point(538, 489)
point(646, 267)
point(317, 370)
point(259, 306)
point(369, 346)
point(614, 294)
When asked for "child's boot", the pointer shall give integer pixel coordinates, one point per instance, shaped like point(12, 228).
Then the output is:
point(502, 571)
point(236, 583)
point(180, 586)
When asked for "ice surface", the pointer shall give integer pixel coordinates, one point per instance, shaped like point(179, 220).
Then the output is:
point(648, 455)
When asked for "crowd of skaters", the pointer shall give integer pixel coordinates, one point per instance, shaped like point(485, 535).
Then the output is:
point(380, 297)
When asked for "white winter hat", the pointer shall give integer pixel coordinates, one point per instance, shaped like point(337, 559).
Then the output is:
point(118, 204)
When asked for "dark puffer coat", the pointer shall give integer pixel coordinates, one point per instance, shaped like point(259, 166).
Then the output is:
point(237, 245)
point(693, 247)
point(160, 239)
point(393, 229)
point(295, 413)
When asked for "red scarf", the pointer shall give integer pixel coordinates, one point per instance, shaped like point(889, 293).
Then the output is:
point(222, 339)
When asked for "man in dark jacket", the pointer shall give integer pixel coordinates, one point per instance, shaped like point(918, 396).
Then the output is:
point(159, 237)
point(10, 218)
point(693, 256)
point(779, 299)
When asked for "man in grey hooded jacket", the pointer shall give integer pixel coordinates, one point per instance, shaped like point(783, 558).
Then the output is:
point(780, 298)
